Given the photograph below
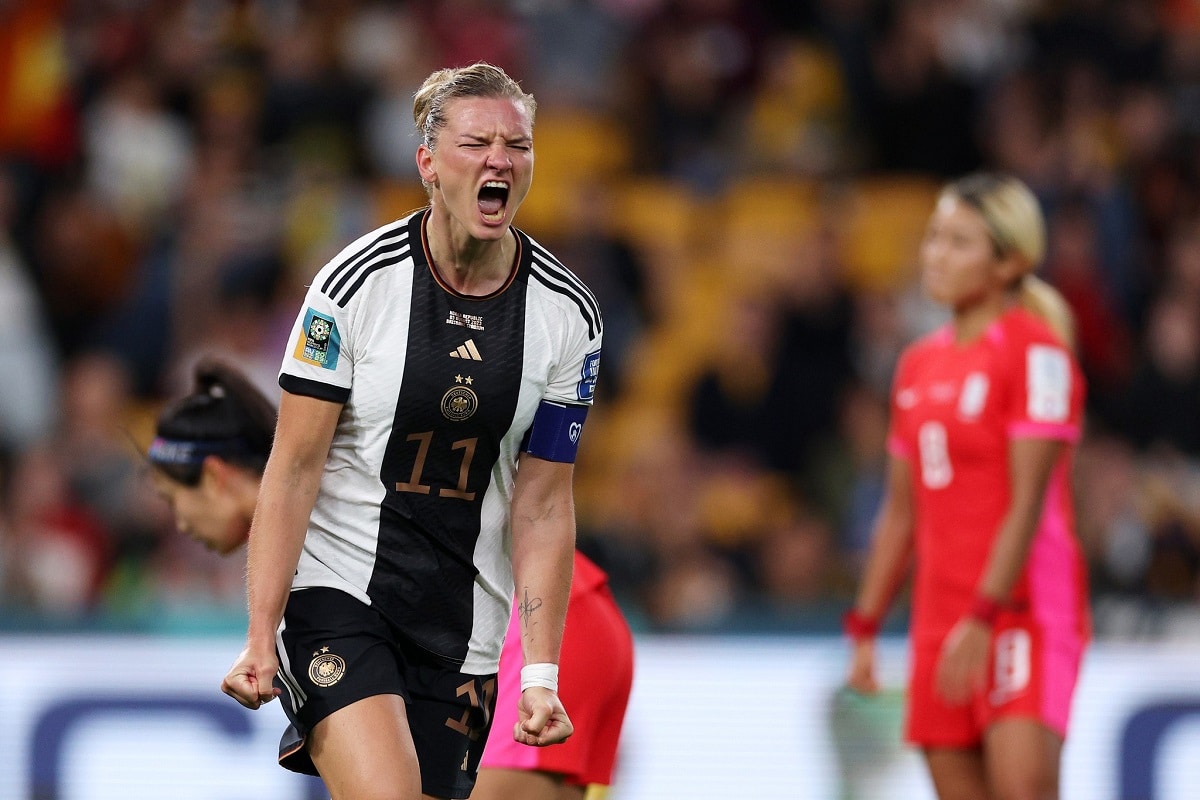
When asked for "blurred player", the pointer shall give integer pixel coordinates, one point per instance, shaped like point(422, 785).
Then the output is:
point(985, 413)
point(597, 664)
point(208, 454)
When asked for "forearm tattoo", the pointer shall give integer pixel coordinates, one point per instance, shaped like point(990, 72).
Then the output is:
point(525, 608)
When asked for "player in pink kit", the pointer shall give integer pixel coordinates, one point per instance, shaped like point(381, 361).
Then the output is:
point(984, 416)
point(597, 675)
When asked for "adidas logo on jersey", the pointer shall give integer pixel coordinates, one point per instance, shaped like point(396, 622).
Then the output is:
point(467, 350)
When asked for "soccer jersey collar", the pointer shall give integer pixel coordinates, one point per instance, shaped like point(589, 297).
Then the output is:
point(422, 221)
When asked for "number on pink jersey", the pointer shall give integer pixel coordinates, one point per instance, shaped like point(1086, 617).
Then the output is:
point(936, 472)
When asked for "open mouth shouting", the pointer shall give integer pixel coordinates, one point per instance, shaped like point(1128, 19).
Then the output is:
point(493, 201)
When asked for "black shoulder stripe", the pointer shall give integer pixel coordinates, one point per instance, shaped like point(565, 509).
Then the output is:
point(554, 266)
point(374, 253)
point(338, 277)
point(569, 285)
point(551, 263)
point(593, 322)
point(365, 273)
point(546, 255)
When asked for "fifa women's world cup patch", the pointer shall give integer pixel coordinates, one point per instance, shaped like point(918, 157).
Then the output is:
point(319, 342)
point(588, 375)
point(1049, 383)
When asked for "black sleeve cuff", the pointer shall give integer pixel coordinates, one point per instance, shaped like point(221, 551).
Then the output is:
point(309, 388)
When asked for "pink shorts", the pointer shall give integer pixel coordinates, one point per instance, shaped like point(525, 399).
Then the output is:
point(595, 678)
point(1032, 675)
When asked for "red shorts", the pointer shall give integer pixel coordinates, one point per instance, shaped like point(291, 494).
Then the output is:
point(1032, 675)
point(595, 678)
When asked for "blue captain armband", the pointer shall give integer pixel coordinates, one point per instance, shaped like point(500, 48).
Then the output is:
point(554, 434)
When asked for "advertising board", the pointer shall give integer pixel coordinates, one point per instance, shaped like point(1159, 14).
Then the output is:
point(142, 718)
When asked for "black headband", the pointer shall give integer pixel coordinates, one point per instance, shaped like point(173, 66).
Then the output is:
point(183, 452)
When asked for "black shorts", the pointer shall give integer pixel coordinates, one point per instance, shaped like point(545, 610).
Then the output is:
point(338, 650)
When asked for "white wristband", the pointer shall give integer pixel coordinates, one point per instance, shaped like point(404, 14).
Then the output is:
point(544, 675)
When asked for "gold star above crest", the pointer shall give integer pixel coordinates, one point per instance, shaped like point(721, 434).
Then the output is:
point(470, 380)
point(458, 379)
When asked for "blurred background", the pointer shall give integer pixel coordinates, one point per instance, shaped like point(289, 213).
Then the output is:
point(743, 184)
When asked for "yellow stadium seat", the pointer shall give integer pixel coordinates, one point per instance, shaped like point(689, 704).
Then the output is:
point(883, 221)
point(576, 154)
point(656, 214)
point(765, 223)
point(578, 145)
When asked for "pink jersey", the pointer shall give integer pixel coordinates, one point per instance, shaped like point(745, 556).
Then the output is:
point(955, 409)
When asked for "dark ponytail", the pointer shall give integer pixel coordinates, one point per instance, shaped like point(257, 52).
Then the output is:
point(225, 415)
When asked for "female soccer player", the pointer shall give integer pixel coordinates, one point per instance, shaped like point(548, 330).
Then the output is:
point(208, 456)
point(435, 388)
point(984, 415)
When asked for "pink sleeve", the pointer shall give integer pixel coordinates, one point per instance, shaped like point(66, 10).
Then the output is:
point(1033, 430)
point(898, 448)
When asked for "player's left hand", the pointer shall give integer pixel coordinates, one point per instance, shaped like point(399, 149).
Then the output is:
point(962, 665)
point(541, 718)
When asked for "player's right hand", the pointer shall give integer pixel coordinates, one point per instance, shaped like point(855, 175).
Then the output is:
point(861, 677)
point(541, 718)
point(250, 679)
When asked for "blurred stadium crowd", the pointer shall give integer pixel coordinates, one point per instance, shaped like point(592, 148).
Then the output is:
point(743, 183)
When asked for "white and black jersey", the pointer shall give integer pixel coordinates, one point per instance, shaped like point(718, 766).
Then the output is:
point(439, 390)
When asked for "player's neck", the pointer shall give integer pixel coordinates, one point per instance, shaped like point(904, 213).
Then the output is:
point(971, 322)
point(471, 266)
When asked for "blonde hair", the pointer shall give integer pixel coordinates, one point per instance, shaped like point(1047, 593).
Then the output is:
point(477, 80)
point(1015, 222)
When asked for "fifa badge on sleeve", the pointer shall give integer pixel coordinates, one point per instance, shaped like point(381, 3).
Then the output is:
point(319, 343)
point(588, 375)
